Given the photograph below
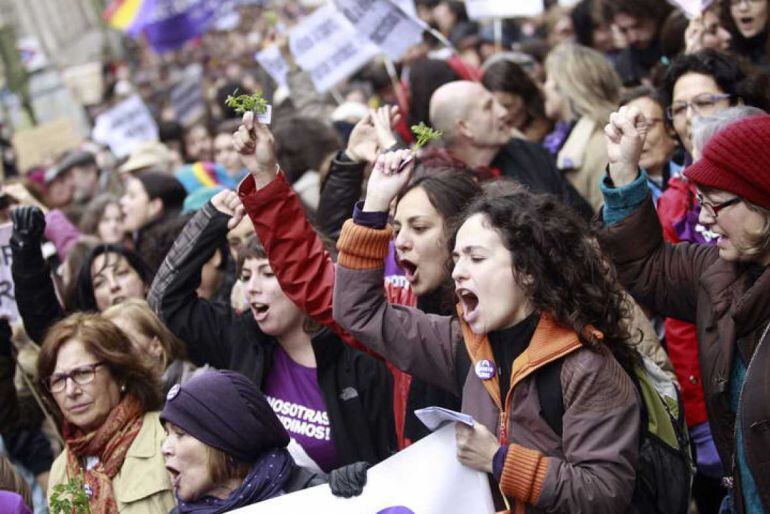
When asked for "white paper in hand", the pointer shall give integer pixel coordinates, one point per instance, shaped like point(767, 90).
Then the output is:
point(434, 417)
point(266, 116)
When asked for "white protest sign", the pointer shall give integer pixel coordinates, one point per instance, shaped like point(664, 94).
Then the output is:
point(425, 478)
point(692, 8)
point(125, 126)
point(187, 96)
point(407, 6)
point(8, 309)
point(274, 64)
point(480, 9)
point(328, 47)
point(384, 23)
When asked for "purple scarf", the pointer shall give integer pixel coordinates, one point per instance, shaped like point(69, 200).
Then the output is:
point(265, 480)
point(556, 139)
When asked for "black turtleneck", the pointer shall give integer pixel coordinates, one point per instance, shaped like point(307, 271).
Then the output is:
point(509, 343)
point(754, 48)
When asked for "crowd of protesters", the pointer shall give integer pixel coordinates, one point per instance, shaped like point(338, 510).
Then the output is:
point(238, 311)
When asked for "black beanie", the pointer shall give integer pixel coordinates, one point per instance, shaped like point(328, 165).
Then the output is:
point(224, 409)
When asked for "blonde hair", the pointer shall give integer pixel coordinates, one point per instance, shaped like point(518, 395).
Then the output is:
point(139, 314)
point(585, 79)
point(758, 244)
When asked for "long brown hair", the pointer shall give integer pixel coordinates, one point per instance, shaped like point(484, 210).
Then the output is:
point(105, 341)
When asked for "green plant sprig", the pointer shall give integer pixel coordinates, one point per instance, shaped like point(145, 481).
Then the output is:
point(244, 103)
point(70, 498)
point(424, 135)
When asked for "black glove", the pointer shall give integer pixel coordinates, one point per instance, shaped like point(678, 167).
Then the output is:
point(28, 226)
point(349, 480)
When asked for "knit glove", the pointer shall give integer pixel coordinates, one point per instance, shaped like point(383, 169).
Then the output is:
point(349, 481)
point(28, 227)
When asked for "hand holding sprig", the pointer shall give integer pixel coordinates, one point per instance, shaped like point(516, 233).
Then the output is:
point(389, 175)
point(256, 145)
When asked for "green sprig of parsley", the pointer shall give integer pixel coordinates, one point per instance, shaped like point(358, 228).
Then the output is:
point(70, 497)
point(245, 103)
point(424, 135)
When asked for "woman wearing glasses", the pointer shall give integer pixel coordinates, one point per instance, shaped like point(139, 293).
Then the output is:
point(108, 401)
point(747, 21)
point(723, 288)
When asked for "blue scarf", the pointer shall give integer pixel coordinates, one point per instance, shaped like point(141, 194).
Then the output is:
point(265, 480)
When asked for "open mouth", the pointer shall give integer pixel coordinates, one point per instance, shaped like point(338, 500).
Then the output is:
point(118, 299)
point(469, 301)
point(746, 20)
point(410, 269)
point(174, 475)
point(260, 310)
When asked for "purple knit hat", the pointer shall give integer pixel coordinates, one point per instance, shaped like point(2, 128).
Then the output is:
point(735, 160)
point(224, 409)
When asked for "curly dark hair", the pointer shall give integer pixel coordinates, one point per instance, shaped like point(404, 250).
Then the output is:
point(733, 76)
point(571, 279)
point(654, 9)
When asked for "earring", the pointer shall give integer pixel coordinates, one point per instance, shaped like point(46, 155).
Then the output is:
point(123, 388)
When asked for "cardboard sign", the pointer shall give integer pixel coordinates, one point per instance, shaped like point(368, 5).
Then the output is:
point(481, 9)
point(125, 126)
point(425, 478)
point(43, 144)
point(8, 309)
point(385, 24)
point(327, 46)
point(85, 81)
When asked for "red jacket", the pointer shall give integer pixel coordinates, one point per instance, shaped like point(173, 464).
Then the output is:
point(306, 271)
point(681, 339)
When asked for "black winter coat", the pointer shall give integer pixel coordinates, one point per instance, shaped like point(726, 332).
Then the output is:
point(355, 386)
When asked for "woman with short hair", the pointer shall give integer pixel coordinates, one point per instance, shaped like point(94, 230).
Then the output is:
point(722, 288)
point(108, 402)
point(225, 448)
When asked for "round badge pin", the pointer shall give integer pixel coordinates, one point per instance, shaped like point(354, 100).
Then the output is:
point(485, 369)
point(173, 392)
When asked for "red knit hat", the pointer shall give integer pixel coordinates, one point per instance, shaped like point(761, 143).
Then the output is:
point(737, 160)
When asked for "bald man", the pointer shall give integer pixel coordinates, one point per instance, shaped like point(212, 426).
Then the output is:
point(476, 132)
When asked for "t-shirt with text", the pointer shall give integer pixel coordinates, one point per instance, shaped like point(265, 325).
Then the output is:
point(294, 394)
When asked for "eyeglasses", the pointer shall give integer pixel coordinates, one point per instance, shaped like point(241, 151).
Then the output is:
point(713, 209)
point(82, 375)
point(700, 104)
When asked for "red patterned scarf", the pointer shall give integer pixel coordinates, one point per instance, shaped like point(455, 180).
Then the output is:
point(109, 443)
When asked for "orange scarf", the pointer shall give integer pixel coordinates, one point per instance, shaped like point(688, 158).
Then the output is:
point(109, 443)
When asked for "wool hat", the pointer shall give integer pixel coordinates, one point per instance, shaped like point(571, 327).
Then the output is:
point(225, 410)
point(164, 186)
point(735, 160)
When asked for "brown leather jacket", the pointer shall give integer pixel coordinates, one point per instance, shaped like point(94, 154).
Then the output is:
point(690, 282)
point(589, 469)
